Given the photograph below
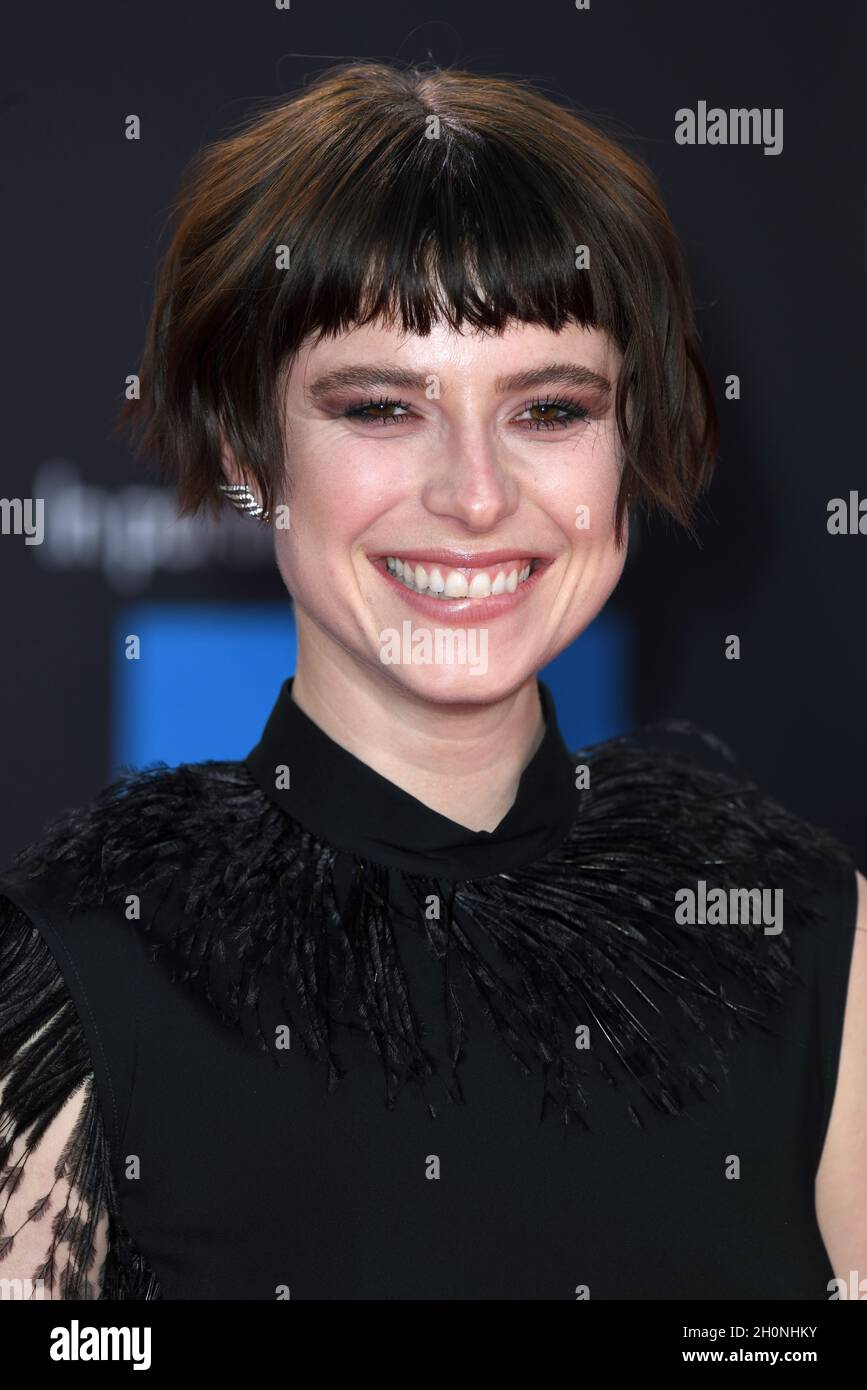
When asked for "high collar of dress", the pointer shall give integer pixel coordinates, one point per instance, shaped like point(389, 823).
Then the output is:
point(342, 800)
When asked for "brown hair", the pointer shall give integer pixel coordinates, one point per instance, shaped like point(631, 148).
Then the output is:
point(391, 215)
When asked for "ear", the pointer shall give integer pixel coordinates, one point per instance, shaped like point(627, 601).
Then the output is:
point(232, 473)
point(235, 488)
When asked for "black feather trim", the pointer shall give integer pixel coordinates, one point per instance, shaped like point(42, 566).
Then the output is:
point(257, 911)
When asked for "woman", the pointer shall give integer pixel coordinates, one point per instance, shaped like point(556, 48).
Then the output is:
point(413, 1002)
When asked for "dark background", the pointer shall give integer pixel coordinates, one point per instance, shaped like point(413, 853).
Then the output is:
point(775, 244)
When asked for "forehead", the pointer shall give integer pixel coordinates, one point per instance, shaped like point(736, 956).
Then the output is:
point(486, 355)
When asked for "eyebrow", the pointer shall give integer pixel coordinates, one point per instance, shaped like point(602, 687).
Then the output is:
point(369, 377)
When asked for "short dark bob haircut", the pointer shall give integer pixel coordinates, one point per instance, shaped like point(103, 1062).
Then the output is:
point(391, 216)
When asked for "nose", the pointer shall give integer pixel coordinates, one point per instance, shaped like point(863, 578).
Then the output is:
point(470, 481)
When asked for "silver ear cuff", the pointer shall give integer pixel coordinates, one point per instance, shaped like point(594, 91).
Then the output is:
point(242, 499)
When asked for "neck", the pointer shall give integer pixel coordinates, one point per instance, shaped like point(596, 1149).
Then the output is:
point(462, 760)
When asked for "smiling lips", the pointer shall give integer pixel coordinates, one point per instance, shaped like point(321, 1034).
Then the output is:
point(467, 581)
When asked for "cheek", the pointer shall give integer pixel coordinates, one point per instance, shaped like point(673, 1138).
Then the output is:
point(597, 561)
point(330, 507)
point(284, 555)
point(340, 486)
point(595, 573)
point(579, 484)
point(587, 510)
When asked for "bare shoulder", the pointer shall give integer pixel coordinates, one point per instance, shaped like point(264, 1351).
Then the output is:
point(841, 1178)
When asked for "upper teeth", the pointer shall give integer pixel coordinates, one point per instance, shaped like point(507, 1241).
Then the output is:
point(454, 583)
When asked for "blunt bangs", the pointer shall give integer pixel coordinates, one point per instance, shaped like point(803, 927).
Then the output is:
point(414, 197)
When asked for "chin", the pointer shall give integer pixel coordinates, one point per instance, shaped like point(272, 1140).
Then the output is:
point(445, 685)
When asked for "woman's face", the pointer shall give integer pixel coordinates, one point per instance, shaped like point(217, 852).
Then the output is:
point(458, 461)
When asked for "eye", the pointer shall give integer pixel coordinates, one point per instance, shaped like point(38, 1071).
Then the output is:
point(554, 412)
point(542, 414)
point(378, 412)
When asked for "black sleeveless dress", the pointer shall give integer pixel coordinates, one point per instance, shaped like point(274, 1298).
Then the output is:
point(325, 1043)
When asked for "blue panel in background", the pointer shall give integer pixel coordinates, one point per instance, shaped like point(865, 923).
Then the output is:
point(592, 682)
point(209, 674)
point(206, 681)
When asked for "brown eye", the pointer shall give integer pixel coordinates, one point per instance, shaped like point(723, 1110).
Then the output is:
point(553, 413)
